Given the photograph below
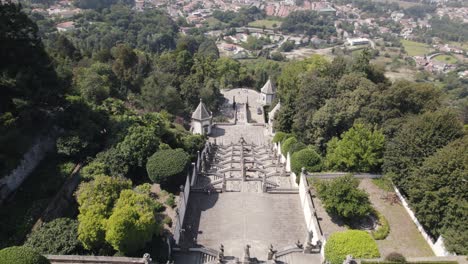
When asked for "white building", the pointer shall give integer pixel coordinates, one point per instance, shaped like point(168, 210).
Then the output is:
point(202, 120)
point(358, 41)
point(268, 93)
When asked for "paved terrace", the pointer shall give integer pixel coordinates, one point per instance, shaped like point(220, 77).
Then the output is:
point(236, 219)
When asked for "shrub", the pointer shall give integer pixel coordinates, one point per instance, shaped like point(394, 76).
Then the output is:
point(22, 255)
point(307, 158)
point(296, 147)
point(167, 165)
point(395, 257)
point(167, 221)
point(383, 230)
point(287, 144)
point(342, 197)
point(357, 243)
point(93, 169)
point(279, 136)
point(58, 237)
point(171, 200)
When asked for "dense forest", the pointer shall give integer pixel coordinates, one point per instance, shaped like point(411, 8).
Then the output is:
point(119, 91)
point(345, 115)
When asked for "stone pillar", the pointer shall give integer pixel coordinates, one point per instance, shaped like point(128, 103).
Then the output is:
point(264, 183)
point(224, 182)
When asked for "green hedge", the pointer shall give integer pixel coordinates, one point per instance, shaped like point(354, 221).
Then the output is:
point(279, 136)
point(307, 158)
point(21, 255)
point(383, 230)
point(357, 243)
point(287, 145)
point(167, 164)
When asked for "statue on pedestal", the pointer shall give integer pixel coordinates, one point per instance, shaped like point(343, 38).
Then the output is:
point(247, 254)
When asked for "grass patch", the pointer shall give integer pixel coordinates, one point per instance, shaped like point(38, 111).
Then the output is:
point(415, 48)
point(409, 262)
point(384, 228)
point(269, 24)
point(449, 59)
point(19, 215)
point(384, 183)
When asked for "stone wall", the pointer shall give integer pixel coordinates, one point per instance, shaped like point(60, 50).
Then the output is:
point(309, 210)
point(31, 159)
point(438, 247)
point(185, 193)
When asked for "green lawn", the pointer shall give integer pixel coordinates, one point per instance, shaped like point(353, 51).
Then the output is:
point(449, 59)
point(415, 48)
point(267, 23)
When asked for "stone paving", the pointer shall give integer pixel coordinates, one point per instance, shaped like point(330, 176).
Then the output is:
point(225, 134)
point(239, 218)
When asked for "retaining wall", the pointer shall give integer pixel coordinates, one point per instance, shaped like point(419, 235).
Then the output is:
point(31, 159)
point(437, 247)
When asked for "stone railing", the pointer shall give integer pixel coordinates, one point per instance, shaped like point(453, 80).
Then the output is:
point(75, 259)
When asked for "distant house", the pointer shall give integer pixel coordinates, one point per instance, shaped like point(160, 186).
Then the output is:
point(66, 26)
point(358, 41)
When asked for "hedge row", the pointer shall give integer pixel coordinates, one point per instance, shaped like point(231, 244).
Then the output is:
point(410, 262)
point(21, 255)
point(383, 230)
point(357, 243)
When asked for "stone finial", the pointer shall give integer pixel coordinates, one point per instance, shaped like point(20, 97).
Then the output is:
point(147, 258)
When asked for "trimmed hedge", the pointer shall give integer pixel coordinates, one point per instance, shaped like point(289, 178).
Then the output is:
point(395, 257)
point(58, 237)
point(279, 136)
point(22, 255)
point(357, 243)
point(307, 158)
point(287, 145)
point(167, 164)
point(383, 230)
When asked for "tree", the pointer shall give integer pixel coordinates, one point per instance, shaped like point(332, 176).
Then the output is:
point(357, 243)
point(96, 82)
point(208, 48)
point(22, 255)
point(287, 144)
point(158, 93)
point(307, 158)
point(419, 137)
point(167, 166)
point(96, 200)
point(140, 143)
point(342, 197)
point(58, 237)
point(438, 194)
point(124, 66)
point(360, 149)
point(132, 223)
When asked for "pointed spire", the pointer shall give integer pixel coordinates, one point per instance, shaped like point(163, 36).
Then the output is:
point(268, 88)
point(201, 113)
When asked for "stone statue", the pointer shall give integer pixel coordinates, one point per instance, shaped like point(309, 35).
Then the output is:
point(147, 258)
point(298, 244)
point(221, 254)
point(271, 252)
point(349, 260)
point(247, 253)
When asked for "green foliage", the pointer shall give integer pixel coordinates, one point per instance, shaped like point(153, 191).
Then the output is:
point(307, 158)
point(419, 137)
point(95, 82)
point(384, 183)
point(167, 165)
point(22, 255)
point(342, 197)
point(132, 223)
point(412, 262)
point(309, 23)
point(438, 194)
point(96, 200)
point(279, 136)
point(139, 143)
point(383, 229)
point(395, 257)
point(287, 144)
point(92, 170)
point(357, 243)
point(58, 237)
point(360, 149)
point(170, 200)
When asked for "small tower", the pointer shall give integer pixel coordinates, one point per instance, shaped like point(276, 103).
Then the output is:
point(268, 93)
point(202, 120)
